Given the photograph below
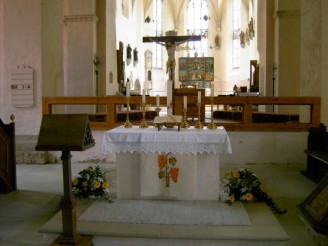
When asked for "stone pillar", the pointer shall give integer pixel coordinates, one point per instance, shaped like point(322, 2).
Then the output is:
point(79, 50)
point(311, 53)
point(287, 51)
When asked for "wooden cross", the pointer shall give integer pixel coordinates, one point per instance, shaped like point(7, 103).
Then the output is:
point(170, 43)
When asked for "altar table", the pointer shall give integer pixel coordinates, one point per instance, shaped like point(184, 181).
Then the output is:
point(196, 152)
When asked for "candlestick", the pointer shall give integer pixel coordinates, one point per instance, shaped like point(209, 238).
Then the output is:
point(143, 123)
point(169, 97)
point(212, 90)
point(158, 109)
point(127, 123)
point(212, 125)
point(127, 89)
point(199, 124)
point(143, 96)
point(157, 101)
point(199, 98)
point(185, 123)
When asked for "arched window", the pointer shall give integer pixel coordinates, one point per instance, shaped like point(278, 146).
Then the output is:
point(158, 31)
point(197, 24)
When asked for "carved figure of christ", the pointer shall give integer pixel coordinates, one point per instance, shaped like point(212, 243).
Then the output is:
point(170, 43)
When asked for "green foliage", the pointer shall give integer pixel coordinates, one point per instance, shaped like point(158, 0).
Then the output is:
point(245, 185)
point(91, 182)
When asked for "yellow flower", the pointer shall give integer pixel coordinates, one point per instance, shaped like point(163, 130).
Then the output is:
point(232, 198)
point(97, 185)
point(235, 175)
point(248, 196)
point(105, 185)
point(75, 182)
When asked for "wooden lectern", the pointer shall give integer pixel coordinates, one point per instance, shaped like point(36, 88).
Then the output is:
point(69, 132)
point(191, 94)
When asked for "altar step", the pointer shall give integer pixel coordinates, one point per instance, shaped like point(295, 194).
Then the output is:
point(264, 230)
point(26, 153)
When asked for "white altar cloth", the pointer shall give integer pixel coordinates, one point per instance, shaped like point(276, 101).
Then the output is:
point(196, 151)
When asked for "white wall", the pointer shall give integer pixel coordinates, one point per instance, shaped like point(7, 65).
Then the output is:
point(21, 45)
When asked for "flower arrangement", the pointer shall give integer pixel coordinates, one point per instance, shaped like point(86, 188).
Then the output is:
point(91, 182)
point(245, 185)
point(167, 169)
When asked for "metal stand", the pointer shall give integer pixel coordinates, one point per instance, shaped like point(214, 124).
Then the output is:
point(199, 124)
point(143, 122)
point(127, 123)
point(212, 125)
point(185, 123)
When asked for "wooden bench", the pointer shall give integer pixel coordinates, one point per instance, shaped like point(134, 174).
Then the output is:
point(317, 154)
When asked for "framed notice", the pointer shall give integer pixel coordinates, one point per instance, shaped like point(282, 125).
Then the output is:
point(21, 87)
point(315, 207)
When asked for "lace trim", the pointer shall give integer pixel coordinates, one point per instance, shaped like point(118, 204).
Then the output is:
point(175, 148)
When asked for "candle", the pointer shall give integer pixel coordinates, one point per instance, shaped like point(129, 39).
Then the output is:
point(143, 96)
point(199, 98)
point(169, 93)
point(157, 101)
point(185, 102)
point(127, 89)
point(212, 90)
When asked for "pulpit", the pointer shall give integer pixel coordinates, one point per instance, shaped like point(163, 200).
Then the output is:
point(192, 154)
point(66, 133)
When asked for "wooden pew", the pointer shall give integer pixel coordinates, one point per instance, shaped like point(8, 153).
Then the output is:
point(317, 154)
point(8, 181)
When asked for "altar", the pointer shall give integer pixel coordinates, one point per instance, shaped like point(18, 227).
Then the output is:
point(190, 170)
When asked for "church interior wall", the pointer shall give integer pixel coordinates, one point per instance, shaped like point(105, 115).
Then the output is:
point(110, 52)
point(21, 32)
point(52, 48)
point(99, 59)
point(324, 63)
point(311, 51)
point(25, 39)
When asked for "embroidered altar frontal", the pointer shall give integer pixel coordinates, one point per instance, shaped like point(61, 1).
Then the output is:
point(167, 164)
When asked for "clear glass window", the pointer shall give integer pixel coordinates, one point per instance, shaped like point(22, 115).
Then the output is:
point(158, 31)
point(197, 24)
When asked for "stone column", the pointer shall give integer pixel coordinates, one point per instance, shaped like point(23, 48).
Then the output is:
point(311, 53)
point(287, 52)
point(79, 50)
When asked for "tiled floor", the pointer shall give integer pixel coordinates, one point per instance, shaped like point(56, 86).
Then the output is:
point(25, 211)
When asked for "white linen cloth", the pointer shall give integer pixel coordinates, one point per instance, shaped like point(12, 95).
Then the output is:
point(196, 150)
point(167, 140)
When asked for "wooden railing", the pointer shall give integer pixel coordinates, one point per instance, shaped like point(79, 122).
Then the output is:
point(108, 119)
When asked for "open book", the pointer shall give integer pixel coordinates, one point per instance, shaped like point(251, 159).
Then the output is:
point(168, 119)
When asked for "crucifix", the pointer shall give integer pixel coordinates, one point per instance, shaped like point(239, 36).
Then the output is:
point(170, 43)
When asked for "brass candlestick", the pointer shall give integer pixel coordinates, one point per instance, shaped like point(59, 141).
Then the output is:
point(127, 123)
point(212, 125)
point(185, 123)
point(143, 123)
point(199, 124)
